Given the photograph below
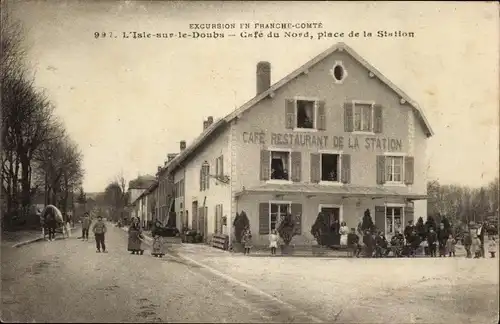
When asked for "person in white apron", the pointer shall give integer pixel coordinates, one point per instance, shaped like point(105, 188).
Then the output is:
point(344, 231)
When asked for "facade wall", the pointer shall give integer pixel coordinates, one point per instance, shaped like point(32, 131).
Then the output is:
point(265, 127)
point(216, 193)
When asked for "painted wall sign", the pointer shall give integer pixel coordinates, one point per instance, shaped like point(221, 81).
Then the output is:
point(353, 142)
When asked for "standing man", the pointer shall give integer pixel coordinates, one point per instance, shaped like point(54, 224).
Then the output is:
point(409, 231)
point(85, 226)
point(480, 235)
point(99, 230)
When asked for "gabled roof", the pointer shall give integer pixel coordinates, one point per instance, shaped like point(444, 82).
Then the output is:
point(304, 68)
point(316, 60)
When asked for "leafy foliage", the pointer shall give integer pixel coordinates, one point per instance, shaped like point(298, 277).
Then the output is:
point(320, 227)
point(240, 223)
point(367, 223)
point(287, 228)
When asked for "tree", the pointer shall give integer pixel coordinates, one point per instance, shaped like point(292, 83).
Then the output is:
point(287, 228)
point(320, 227)
point(240, 223)
point(27, 120)
point(367, 222)
point(116, 197)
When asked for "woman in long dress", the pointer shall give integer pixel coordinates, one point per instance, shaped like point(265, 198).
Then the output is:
point(344, 230)
point(134, 237)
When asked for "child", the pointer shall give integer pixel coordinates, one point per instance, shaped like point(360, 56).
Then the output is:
point(380, 245)
point(247, 239)
point(476, 246)
point(492, 246)
point(431, 242)
point(273, 242)
point(353, 243)
point(467, 241)
point(99, 229)
point(414, 243)
point(450, 245)
point(368, 242)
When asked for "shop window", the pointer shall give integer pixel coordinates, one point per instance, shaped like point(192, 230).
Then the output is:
point(276, 211)
point(394, 169)
point(305, 113)
point(280, 165)
point(393, 220)
point(363, 117)
point(330, 167)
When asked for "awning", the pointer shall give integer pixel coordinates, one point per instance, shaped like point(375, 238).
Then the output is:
point(345, 191)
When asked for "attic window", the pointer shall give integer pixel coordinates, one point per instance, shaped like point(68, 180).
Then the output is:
point(338, 72)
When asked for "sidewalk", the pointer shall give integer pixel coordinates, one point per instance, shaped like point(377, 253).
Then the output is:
point(21, 238)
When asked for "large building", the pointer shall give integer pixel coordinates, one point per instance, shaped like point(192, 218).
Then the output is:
point(334, 135)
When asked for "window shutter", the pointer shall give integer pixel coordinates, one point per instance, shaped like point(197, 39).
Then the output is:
point(380, 218)
point(296, 210)
point(378, 121)
point(315, 167)
point(409, 170)
point(321, 116)
point(290, 113)
point(409, 215)
point(264, 218)
point(380, 169)
point(348, 117)
point(265, 157)
point(201, 179)
point(346, 168)
point(200, 220)
point(207, 177)
point(296, 166)
point(221, 167)
point(216, 228)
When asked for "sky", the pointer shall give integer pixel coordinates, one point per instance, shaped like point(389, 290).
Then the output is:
point(129, 102)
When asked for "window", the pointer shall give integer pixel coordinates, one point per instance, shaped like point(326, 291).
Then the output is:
point(330, 167)
point(338, 72)
point(363, 117)
point(305, 113)
point(204, 176)
point(280, 165)
point(219, 166)
point(394, 169)
point(276, 211)
point(393, 220)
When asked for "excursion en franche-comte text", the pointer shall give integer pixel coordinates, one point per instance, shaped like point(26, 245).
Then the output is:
point(304, 30)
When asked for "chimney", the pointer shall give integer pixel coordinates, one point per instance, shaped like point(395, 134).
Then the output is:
point(263, 76)
point(210, 120)
point(171, 156)
point(182, 145)
point(205, 124)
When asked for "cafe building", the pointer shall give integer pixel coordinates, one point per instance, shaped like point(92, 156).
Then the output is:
point(334, 135)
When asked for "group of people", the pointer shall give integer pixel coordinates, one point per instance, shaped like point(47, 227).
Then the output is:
point(435, 242)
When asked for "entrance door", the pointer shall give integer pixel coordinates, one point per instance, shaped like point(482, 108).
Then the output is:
point(332, 212)
point(194, 221)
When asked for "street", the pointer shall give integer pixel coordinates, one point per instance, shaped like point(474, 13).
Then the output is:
point(67, 281)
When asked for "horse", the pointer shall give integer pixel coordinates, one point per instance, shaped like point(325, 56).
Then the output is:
point(52, 219)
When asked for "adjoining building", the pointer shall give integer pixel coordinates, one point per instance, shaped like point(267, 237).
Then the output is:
point(335, 135)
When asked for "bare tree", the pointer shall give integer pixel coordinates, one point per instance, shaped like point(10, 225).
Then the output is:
point(116, 196)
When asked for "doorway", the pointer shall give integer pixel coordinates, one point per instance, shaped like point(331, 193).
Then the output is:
point(194, 211)
point(332, 212)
